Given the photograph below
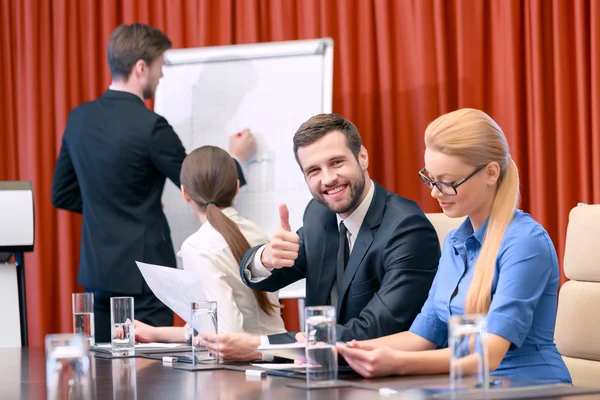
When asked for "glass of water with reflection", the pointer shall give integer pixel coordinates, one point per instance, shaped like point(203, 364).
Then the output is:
point(83, 316)
point(469, 368)
point(321, 353)
point(121, 320)
point(204, 320)
point(68, 367)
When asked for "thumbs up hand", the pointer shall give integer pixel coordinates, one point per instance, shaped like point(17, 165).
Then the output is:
point(282, 250)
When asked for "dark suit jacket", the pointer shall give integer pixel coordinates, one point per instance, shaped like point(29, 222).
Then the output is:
point(112, 166)
point(388, 275)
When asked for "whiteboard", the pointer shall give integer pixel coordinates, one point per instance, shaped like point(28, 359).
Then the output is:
point(209, 93)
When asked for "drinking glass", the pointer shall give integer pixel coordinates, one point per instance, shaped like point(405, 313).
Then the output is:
point(321, 353)
point(83, 316)
point(121, 324)
point(204, 320)
point(468, 340)
point(68, 367)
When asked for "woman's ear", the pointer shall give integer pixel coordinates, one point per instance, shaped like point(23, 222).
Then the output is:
point(185, 195)
point(237, 189)
point(492, 173)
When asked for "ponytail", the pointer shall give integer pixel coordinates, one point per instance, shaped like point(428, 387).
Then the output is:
point(479, 295)
point(238, 245)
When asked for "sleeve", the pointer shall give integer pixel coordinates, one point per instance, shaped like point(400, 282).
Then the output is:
point(215, 286)
point(427, 324)
point(240, 172)
point(166, 151)
point(279, 277)
point(524, 269)
point(65, 186)
point(255, 270)
point(410, 258)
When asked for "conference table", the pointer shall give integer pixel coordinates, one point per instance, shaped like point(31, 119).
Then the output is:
point(23, 376)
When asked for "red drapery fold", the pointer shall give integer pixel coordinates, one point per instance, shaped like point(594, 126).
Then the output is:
point(533, 65)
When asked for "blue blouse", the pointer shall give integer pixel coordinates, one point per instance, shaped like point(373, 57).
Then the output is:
point(524, 297)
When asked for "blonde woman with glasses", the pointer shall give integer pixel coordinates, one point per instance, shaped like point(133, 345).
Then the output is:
point(500, 263)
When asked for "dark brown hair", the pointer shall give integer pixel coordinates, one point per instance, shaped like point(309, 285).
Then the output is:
point(130, 43)
point(210, 178)
point(320, 125)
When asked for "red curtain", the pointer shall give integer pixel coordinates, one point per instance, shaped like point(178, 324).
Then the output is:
point(531, 64)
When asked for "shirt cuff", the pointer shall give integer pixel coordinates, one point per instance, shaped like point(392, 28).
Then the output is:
point(431, 329)
point(264, 340)
point(508, 328)
point(258, 271)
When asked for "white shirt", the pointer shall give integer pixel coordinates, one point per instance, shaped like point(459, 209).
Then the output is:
point(353, 223)
point(206, 252)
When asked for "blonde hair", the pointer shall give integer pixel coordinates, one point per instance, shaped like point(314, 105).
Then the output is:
point(477, 139)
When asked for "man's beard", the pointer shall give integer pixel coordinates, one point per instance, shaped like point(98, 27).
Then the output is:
point(356, 188)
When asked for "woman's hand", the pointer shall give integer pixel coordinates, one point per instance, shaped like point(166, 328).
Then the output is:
point(371, 361)
point(144, 333)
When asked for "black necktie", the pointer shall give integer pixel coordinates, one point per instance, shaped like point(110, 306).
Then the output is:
point(343, 254)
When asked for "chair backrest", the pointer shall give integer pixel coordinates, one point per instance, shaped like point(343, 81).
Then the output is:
point(577, 332)
point(444, 224)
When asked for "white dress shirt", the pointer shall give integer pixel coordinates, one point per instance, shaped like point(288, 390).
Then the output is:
point(206, 252)
point(353, 223)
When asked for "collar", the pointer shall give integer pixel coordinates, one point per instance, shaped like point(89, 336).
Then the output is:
point(229, 212)
point(465, 230)
point(116, 88)
point(355, 220)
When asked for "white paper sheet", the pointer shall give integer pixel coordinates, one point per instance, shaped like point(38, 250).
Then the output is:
point(283, 366)
point(177, 288)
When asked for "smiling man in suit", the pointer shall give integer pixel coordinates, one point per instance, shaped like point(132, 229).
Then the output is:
point(369, 252)
point(115, 157)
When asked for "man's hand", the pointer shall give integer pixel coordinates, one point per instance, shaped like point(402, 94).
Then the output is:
point(234, 346)
point(242, 145)
point(282, 250)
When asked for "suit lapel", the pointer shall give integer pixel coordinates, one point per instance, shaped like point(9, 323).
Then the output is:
point(363, 241)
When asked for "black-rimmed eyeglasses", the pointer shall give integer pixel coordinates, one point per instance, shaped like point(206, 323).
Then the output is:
point(447, 189)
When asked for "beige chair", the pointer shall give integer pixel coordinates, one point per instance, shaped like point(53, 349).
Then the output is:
point(577, 332)
point(444, 224)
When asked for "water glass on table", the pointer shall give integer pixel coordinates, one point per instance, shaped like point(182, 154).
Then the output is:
point(321, 353)
point(83, 316)
point(121, 324)
point(68, 367)
point(469, 368)
point(204, 320)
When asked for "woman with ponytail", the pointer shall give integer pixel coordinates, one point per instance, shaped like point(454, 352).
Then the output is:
point(209, 184)
point(500, 263)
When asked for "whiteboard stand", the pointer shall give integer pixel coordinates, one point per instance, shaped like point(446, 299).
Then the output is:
point(17, 233)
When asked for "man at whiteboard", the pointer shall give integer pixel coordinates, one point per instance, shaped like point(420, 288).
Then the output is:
point(369, 252)
point(115, 157)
